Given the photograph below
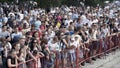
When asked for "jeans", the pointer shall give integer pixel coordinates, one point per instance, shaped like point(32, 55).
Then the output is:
point(72, 57)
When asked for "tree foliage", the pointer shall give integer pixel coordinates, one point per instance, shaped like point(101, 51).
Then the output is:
point(53, 3)
point(96, 2)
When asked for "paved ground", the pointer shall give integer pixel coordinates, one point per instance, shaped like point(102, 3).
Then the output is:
point(110, 61)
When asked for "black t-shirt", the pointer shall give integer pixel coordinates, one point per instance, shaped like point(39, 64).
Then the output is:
point(1, 53)
point(115, 30)
point(4, 60)
point(12, 61)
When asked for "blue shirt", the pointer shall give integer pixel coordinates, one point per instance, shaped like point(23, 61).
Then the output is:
point(37, 24)
point(69, 33)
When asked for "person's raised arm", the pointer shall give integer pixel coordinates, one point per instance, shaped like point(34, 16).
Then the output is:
point(0, 60)
point(65, 42)
point(31, 55)
point(41, 54)
point(16, 62)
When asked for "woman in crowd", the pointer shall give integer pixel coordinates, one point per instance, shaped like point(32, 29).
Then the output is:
point(37, 35)
point(35, 45)
point(12, 60)
point(4, 51)
point(38, 55)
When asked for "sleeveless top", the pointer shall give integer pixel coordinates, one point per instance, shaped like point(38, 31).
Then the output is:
point(12, 61)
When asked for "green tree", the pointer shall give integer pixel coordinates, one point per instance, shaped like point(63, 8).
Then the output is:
point(53, 3)
point(95, 2)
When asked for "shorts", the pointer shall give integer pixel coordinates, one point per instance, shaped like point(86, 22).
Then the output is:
point(95, 45)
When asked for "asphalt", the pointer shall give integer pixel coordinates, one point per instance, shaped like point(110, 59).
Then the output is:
point(112, 60)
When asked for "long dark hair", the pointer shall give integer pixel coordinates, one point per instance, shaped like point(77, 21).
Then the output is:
point(32, 44)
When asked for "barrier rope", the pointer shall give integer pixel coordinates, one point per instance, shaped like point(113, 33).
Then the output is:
point(98, 54)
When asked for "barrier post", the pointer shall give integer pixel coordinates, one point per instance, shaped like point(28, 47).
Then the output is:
point(118, 39)
point(18, 66)
point(87, 54)
point(77, 58)
point(100, 50)
point(56, 60)
point(37, 62)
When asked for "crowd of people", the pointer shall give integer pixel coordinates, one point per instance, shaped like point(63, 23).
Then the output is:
point(31, 33)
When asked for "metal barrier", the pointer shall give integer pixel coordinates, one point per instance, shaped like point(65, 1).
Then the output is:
point(28, 64)
point(107, 45)
point(65, 59)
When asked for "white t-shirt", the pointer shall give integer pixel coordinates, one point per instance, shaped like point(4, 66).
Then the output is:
point(67, 22)
point(106, 31)
point(54, 47)
point(21, 16)
point(0, 30)
point(51, 35)
point(79, 37)
point(9, 45)
point(90, 23)
point(11, 13)
point(73, 44)
point(77, 43)
point(95, 35)
point(95, 21)
point(5, 19)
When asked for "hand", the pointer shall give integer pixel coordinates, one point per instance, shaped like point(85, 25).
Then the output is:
point(47, 57)
point(35, 59)
point(5, 48)
point(88, 49)
point(51, 53)
point(26, 47)
point(16, 65)
point(28, 50)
